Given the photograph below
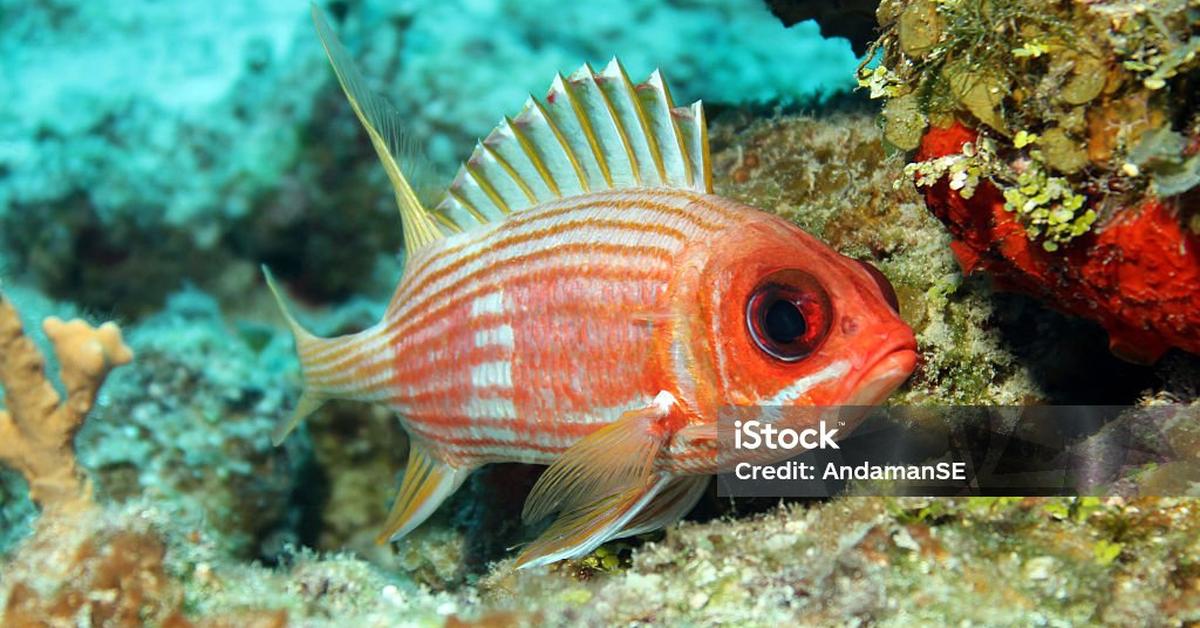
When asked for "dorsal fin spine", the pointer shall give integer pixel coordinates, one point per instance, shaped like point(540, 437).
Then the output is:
point(586, 126)
point(380, 120)
point(487, 188)
point(512, 173)
point(467, 205)
point(534, 158)
point(657, 80)
point(562, 141)
point(612, 111)
point(638, 108)
point(593, 131)
point(445, 220)
point(702, 124)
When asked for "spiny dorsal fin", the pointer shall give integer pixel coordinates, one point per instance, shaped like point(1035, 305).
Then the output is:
point(382, 123)
point(595, 131)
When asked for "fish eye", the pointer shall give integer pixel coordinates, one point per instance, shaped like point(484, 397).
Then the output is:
point(788, 315)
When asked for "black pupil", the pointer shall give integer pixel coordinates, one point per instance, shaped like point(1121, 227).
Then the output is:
point(784, 322)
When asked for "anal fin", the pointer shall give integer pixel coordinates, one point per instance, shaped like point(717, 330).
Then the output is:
point(427, 483)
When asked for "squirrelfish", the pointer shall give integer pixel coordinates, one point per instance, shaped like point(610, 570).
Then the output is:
point(581, 299)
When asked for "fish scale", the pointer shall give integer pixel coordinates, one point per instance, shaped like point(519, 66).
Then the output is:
point(581, 299)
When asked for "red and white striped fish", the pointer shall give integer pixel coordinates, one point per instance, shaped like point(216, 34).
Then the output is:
point(581, 299)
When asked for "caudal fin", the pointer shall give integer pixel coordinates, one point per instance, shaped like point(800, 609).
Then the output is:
point(354, 366)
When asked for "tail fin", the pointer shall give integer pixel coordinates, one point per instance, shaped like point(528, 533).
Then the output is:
point(346, 367)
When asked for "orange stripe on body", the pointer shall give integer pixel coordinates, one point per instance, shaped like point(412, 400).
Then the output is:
point(624, 263)
point(500, 254)
point(431, 339)
point(544, 340)
point(555, 371)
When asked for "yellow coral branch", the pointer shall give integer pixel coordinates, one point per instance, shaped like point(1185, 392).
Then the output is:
point(37, 430)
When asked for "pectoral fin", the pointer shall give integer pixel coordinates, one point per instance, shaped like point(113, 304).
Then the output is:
point(610, 460)
point(598, 485)
point(427, 483)
point(674, 501)
point(581, 529)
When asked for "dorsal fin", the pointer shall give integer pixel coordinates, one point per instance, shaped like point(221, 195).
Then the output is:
point(594, 131)
point(382, 122)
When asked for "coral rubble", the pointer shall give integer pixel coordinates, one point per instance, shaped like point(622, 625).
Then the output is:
point(896, 563)
point(126, 564)
point(187, 424)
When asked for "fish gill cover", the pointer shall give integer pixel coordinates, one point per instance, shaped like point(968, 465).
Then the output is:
point(156, 147)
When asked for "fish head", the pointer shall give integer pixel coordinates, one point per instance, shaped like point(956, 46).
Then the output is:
point(787, 321)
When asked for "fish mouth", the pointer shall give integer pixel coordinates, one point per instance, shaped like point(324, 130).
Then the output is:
point(887, 371)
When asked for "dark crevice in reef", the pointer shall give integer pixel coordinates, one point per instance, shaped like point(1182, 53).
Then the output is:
point(852, 19)
point(490, 514)
point(713, 506)
point(1068, 356)
point(318, 229)
point(740, 116)
point(302, 525)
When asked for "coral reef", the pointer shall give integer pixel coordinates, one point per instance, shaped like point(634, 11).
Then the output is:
point(190, 488)
point(187, 423)
point(37, 430)
point(886, 561)
point(883, 561)
point(233, 146)
point(125, 564)
point(197, 520)
point(899, 562)
point(1080, 137)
